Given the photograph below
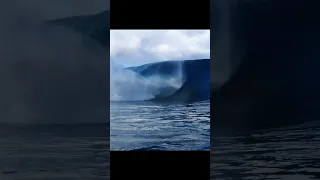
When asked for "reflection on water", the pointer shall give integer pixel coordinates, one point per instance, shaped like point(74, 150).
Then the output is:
point(291, 153)
point(54, 152)
point(149, 126)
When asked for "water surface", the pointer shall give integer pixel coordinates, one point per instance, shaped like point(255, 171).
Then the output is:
point(155, 126)
point(291, 153)
point(56, 152)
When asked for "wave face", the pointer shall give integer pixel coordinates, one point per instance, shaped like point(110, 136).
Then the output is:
point(168, 81)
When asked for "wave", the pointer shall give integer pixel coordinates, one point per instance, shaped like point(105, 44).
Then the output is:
point(168, 81)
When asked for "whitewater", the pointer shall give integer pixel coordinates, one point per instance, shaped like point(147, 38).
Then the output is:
point(126, 84)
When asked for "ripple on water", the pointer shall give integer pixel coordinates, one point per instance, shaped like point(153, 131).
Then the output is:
point(60, 153)
point(160, 126)
point(291, 153)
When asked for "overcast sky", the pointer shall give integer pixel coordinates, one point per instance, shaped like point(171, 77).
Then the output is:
point(137, 47)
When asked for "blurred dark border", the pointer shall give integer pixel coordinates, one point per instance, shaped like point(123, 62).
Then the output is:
point(274, 86)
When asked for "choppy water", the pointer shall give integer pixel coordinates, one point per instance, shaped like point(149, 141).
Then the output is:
point(54, 152)
point(150, 126)
point(291, 153)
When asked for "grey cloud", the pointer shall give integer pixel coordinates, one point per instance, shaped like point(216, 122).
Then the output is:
point(136, 47)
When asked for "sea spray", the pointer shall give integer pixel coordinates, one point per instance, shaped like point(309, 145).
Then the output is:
point(132, 85)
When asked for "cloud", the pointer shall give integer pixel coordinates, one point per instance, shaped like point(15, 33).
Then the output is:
point(136, 47)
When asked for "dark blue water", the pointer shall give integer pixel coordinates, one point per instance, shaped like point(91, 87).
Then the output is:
point(54, 152)
point(290, 153)
point(156, 126)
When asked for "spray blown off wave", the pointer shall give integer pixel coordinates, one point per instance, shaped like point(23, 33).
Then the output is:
point(168, 81)
point(144, 82)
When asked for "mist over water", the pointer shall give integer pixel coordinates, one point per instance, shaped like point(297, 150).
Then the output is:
point(129, 85)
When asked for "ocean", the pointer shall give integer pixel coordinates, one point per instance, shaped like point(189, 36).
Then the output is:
point(288, 153)
point(159, 126)
point(54, 152)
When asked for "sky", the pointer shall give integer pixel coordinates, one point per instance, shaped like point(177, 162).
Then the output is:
point(137, 47)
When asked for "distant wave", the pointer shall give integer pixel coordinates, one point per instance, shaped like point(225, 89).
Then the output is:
point(168, 81)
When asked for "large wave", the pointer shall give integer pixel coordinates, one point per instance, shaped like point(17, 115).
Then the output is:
point(163, 81)
point(138, 83)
